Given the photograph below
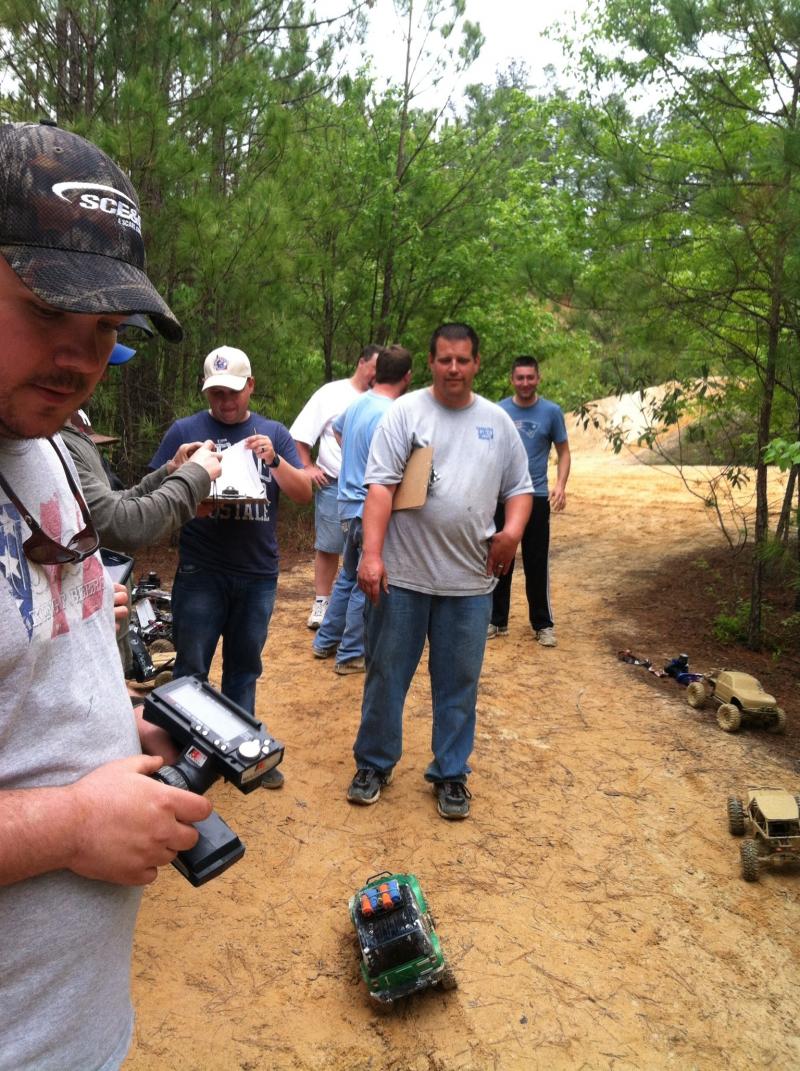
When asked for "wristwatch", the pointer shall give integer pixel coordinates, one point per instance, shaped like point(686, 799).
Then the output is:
point(274, 463)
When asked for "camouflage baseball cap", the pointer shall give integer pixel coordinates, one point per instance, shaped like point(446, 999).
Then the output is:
point(70, 226)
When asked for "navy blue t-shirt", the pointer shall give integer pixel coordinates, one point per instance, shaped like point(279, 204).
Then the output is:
point(241, 538)
point(539, 425)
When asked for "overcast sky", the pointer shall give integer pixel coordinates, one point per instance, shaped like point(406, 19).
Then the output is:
point(513, 30)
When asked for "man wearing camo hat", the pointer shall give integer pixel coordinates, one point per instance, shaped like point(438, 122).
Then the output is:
point(82, 825)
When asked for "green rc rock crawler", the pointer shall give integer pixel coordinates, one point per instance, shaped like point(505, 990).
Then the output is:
point(400, 950)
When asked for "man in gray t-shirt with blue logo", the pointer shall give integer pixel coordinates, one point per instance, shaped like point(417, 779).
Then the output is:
point(540, 424)
point(429, 572)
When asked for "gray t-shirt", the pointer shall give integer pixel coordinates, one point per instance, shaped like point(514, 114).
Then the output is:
point(478, 460)
point(64, 710)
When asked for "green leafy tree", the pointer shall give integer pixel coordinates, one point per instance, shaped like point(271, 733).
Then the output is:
point(196, 103)
point(698, 217)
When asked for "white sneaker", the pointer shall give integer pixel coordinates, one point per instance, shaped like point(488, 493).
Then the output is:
point(317, 615)
point(547, 637)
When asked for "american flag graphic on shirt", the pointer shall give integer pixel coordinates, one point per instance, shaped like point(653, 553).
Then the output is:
point(48, 597)
point(13, 563)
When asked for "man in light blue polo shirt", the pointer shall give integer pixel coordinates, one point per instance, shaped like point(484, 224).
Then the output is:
point(315, 424)
point(540, 424)
point(342, 629)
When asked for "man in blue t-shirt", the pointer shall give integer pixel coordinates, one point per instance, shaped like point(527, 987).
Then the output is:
point(228, 562)
point(540, 424)
point(342, 629)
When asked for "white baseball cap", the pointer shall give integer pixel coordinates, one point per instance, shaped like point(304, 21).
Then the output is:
point(226, 367)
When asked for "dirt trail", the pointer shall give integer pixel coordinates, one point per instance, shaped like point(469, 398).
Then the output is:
point(591, 906)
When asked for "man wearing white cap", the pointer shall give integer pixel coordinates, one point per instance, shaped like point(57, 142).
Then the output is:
point(154, 507)
point(228, 562)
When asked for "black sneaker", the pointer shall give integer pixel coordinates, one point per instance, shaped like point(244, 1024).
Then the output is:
point(452, 799)
point(365, 788)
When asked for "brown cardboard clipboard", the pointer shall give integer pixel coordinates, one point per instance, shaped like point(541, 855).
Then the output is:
point(413, 488)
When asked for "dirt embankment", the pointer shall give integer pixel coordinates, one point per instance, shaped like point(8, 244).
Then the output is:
point(591, 906)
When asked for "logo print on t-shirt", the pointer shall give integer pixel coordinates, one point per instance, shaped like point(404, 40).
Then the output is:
point(14, 564)
point(527, 428)
point(48, 597)
point(485, 433)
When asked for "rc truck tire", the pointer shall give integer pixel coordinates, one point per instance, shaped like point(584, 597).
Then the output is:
point(447, 979)
point(729, 717)
point(696, 695)
point(778, 723)
point(749, 856)
point(735, 816)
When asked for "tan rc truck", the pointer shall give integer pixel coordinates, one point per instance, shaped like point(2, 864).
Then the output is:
point(739, 697)
point(773, 818)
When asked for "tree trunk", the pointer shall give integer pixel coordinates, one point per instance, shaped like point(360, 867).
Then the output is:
point(74, 69)
point(328, 331)
point(62, 107)
point(383, 329)
point(797, 553)
point(785, 519)
point(763, 436)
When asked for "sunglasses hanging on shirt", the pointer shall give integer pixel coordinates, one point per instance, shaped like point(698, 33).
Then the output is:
point(41, 548)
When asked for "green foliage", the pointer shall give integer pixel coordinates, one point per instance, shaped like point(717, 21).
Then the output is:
point(787, 635)
point(300, 214)
point(731, 628)
point(782, 453)
point(300, 217)
point(694, 226)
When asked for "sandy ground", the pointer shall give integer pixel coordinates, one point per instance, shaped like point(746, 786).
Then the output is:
point(591, 906)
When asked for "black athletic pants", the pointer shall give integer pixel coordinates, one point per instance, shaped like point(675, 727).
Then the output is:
point(535, 549)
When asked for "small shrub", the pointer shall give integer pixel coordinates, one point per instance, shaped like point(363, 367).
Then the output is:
point(787, 635)
point(732, 627)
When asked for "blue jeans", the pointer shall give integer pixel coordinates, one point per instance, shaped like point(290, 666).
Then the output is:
point(394, 638)
point(328, 531)
point(208, 605)
point(344, 618)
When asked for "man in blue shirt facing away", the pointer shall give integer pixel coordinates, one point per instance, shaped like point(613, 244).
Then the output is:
point(342, 629)
point(540, 424)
